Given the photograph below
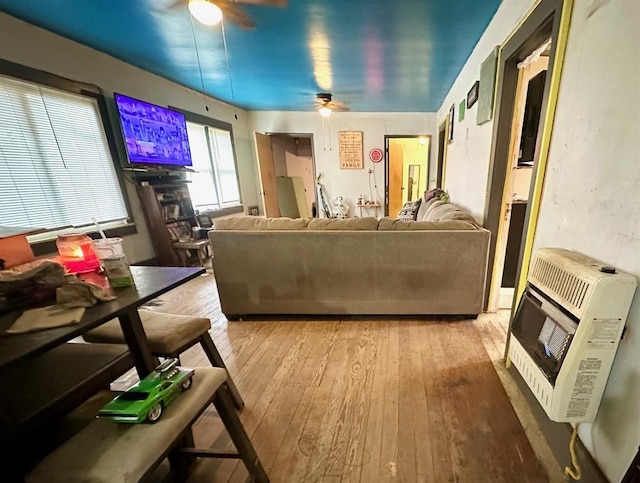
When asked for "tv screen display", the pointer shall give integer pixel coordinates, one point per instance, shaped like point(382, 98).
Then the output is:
point(153, 134)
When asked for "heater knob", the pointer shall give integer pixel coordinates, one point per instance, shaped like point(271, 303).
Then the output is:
point(606, 269)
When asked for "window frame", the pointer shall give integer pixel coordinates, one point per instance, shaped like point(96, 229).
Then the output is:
point(46, 79)
point(225, 126)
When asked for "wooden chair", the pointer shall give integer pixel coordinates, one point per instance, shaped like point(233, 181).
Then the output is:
point(201, 247)
point(169, 335)
point(109, 452)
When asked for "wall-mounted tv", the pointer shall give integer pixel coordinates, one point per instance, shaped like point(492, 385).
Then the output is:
point(153, 134)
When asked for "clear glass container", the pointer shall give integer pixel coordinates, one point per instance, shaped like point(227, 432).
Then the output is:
point(77, 253)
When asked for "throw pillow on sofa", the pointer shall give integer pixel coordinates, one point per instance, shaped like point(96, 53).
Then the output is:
point(409, 210)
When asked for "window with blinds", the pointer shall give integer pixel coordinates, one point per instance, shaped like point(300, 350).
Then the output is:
point(214, 185)
point(56, 170)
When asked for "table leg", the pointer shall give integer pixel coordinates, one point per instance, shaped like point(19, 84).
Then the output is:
point(182, 256)
point(137, 342)
point(14, 455)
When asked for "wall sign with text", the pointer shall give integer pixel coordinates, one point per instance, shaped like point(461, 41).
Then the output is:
point(350, 147)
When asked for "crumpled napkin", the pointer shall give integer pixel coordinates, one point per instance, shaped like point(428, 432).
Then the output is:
point(76, 293)
point(46, 318)
point(42, 272)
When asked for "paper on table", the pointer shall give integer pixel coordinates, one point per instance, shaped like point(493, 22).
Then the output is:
point(46, 318)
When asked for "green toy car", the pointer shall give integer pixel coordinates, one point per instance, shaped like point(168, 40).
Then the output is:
point(146, 400)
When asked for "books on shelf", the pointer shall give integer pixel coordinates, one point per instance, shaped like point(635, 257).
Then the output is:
point(171, 211)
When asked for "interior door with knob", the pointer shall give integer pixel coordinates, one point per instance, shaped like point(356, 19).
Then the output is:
point(394, 188)
point(268, 189)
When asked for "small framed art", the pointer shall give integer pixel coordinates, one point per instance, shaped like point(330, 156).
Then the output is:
point(452, 120)
point(472, 95)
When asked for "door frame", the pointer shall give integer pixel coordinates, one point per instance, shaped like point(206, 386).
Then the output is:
point(306, 135)
point(548, 18)
point(387, 137)
point(313, 160)
point(441, 167)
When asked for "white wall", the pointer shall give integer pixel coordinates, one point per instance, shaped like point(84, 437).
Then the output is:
point(25, 44)
point(467, 164)
point(591, 199)
point(347, 183)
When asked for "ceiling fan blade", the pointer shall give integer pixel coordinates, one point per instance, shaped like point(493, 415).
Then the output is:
point(266, 3)
point(339, 106)
point(233, 12)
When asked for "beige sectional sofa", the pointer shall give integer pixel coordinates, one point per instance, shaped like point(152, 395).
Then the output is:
point(361, 266)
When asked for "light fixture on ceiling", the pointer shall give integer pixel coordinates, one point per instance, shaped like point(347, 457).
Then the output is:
point(422, 140)
point(205, 12)
point(323, 104)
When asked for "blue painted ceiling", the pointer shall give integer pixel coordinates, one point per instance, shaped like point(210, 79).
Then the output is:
point(375, 55)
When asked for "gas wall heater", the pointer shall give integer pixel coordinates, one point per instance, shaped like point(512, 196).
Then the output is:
point(566, 331)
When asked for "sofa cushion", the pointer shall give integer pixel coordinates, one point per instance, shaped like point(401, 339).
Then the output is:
point(259, 223)
point(389, 224)
point(367, 223)
point(439, 211)
point(424, 207)
point(459, 215)
point(436, 203)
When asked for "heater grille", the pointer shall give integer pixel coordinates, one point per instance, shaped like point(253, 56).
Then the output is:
point(554, 339)
point(565, 287)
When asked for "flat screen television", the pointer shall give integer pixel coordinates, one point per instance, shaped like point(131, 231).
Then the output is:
point(153, 134)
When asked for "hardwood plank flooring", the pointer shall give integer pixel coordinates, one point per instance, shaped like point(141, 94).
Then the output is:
point(362, 400)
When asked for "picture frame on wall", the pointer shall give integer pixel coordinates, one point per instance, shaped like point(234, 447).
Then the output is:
point(472, 95)
point(488, 70)
point(452, 119)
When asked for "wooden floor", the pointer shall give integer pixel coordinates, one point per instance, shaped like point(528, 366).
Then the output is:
point(362, 400)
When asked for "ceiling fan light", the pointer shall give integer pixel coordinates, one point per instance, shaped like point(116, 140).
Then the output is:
point(324, 111)
point(205, 12)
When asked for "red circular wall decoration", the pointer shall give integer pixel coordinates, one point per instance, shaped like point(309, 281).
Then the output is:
point(376, 155)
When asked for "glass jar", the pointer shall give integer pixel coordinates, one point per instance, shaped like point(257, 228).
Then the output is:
point(77, 253)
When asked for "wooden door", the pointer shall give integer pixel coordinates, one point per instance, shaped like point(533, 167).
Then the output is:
point(395, 178)
point(268, 191)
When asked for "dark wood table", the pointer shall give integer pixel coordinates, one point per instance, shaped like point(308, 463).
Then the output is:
point(28, 402)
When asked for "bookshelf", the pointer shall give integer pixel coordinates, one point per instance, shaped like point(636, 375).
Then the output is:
point(168, 212)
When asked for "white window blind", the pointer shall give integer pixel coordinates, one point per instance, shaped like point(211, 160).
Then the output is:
point(202, 189)
point(214, 185)
point(226, 167)
point(55, 166)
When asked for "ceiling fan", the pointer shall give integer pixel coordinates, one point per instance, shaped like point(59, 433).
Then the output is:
point(326, 105)
point(210, 12)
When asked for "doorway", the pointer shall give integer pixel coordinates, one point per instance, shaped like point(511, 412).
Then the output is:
point(542, 24)
point(525, 125)
point(406, 170)
point(287, 170)
point(442, 146)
